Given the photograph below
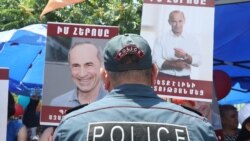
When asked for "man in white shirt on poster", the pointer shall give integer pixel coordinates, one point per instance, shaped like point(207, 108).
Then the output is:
point(175, 51)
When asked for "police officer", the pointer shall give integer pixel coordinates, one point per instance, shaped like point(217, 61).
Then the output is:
point(132, 111)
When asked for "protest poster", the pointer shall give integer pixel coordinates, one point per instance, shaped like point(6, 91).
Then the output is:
point(4, 88)
point(181, 36)
point(58, 79)
point(180, 33)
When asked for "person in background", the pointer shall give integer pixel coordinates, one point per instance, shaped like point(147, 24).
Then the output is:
point(229, 121)
point(175, 51)
point(16, 131)
point(132, 110)
point(31, 118)
point(244, 119)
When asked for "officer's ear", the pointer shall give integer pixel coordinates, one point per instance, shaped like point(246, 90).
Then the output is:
point(106, 80)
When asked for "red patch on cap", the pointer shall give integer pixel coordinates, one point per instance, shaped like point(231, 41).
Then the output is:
point(129, 49)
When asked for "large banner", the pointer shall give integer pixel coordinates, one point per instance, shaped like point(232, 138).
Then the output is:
point(180, 33)
point(4, 88)
point(62, 81)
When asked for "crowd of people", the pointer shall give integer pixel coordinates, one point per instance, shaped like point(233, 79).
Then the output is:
point(131, 110)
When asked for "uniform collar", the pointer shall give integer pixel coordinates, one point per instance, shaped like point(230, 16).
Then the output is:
point(134, 90)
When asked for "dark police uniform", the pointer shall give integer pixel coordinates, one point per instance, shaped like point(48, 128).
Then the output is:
point(133, 112)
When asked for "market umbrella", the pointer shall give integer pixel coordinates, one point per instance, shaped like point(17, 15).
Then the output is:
point(23, 52)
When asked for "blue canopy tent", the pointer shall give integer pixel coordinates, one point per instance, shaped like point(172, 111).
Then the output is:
point(232, 50)
point(23, 52)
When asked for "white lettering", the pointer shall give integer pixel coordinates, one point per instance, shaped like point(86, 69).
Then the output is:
point(78, 31)
point(64, 30)
point(87, 31)
point(196, 2)
point(81, 31)
point(112, 132)
point(177, 135)
point(100, 128)
point(100, 33)
point(148, 130)
point(75, 31)
point(159, 130)
point(132, 133)
point(59, 30)
point(193, 85)
point(158, 82)
point(201, 92)
point(106, 33)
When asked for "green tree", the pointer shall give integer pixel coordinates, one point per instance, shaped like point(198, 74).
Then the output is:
point(19, 13)
point(123, 13)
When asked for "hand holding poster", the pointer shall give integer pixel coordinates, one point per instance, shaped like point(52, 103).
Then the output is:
point(72, 69)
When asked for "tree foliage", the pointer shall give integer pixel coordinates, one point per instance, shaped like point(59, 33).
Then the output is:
point(123, 13)
point(19, 13)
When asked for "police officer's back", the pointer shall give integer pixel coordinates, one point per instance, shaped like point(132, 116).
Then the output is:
point(132, 111)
